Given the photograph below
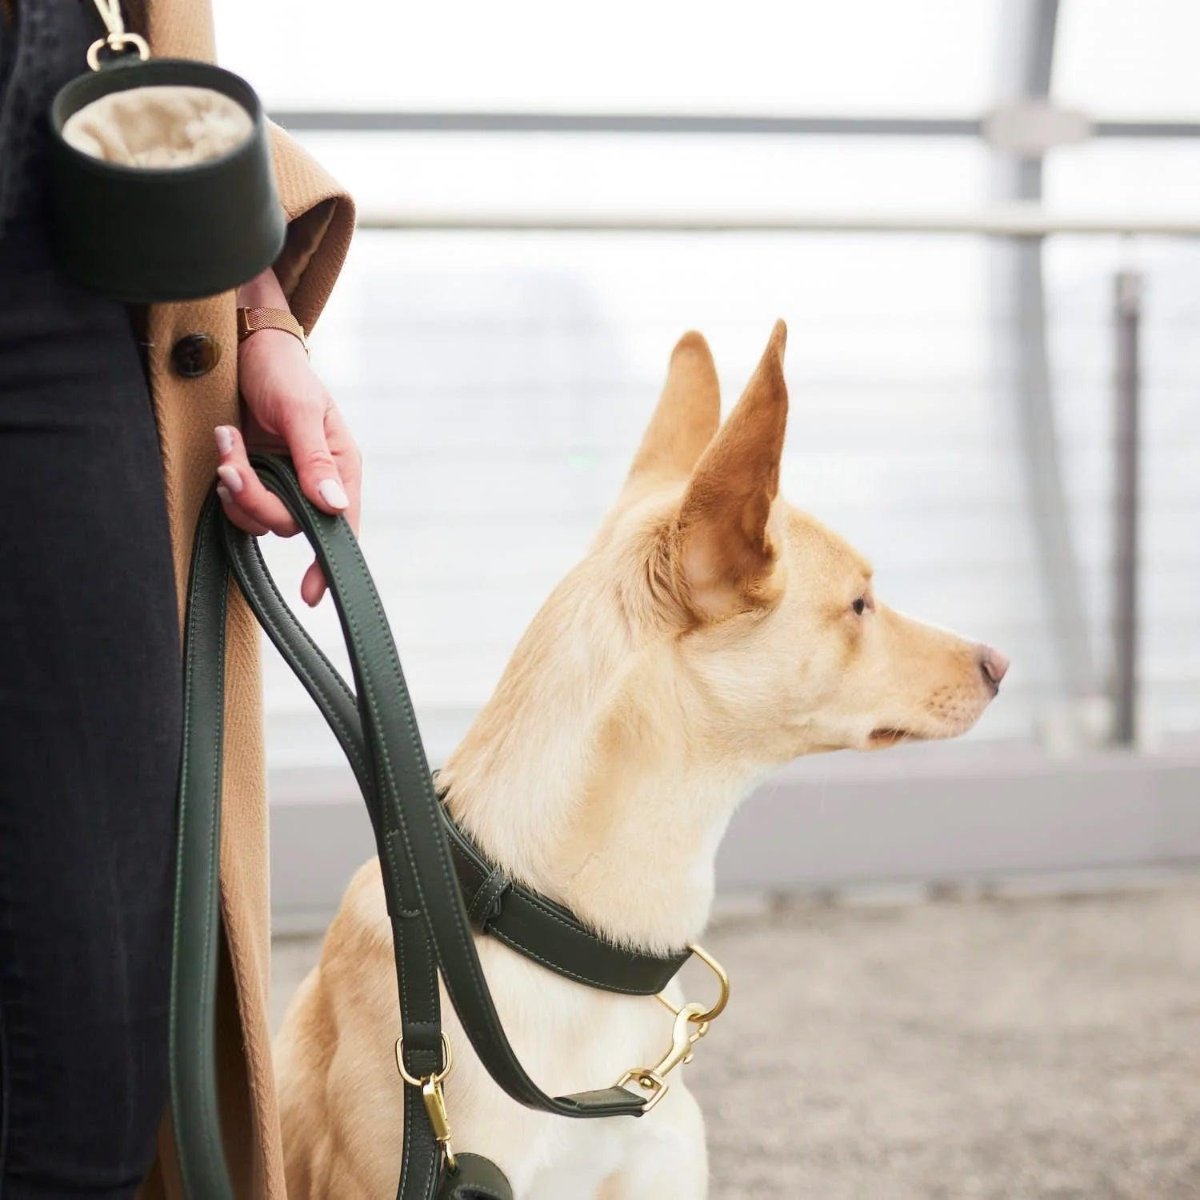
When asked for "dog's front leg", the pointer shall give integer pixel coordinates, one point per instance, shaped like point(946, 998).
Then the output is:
point(668, 1156)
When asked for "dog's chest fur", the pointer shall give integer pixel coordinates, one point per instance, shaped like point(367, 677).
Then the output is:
point(569, 1037)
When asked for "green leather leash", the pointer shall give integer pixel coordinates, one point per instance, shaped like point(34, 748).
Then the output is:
point(424, 860)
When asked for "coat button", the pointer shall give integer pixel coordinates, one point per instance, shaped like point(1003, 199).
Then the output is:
point(195, 355)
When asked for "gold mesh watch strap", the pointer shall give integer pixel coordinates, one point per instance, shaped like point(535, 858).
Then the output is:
point(251, 320)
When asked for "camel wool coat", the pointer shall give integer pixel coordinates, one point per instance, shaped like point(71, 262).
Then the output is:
point(321, 221)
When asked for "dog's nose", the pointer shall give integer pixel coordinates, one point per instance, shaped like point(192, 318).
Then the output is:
point(994, 664)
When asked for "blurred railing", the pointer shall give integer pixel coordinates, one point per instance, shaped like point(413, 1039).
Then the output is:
point(1024, 221)
point(1007, 221)
point(856, 819)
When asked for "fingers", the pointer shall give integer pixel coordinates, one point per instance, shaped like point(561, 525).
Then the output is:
point(304, 430)
point(328, 465)
point(347, 462)
point(236, 515)
point(313, 585)
point(248, 504)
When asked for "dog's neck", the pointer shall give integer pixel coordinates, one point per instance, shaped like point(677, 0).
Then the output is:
point(587, 778)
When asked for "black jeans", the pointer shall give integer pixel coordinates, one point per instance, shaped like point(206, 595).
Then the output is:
point(90, 701)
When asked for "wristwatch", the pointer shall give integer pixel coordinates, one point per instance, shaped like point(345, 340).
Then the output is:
point(251, 320)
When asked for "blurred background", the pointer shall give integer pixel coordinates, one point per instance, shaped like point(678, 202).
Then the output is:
point(980, 221)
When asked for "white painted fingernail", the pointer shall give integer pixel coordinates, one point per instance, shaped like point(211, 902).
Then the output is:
point(332, 493)
point(223, 492)
point(224, 436)
point(230, 477)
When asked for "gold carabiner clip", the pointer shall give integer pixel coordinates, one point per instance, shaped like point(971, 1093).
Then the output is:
point(709, 1014)
point(691, 1024)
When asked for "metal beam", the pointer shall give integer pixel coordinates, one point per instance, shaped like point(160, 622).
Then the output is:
point(390, 121)
point(1019, 325)
point(1021, 221)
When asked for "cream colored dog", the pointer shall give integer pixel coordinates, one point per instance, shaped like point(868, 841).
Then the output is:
point(711, 633)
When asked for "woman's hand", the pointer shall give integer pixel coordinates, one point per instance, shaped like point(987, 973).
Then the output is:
point(286, 407)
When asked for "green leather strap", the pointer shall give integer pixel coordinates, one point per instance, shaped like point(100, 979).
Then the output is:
point(430, 922)
point(197, 921)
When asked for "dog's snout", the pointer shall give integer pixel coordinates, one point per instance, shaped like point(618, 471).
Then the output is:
point(993, 664)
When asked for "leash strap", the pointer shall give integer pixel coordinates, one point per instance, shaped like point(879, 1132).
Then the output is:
point(429, 919)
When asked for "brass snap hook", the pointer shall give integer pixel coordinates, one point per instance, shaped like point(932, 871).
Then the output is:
point(691, 1024)
point(433, 1097)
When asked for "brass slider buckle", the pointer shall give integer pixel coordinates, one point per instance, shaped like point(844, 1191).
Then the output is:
point(433, 1097)
point(691, 1023)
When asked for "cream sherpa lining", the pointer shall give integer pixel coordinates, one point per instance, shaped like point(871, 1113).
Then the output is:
point(159, 126)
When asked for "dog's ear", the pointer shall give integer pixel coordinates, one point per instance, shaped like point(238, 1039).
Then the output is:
point(722, 535)
point(684, 422)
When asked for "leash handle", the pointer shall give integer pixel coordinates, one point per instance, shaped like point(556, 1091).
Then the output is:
point(378, 729)
point(409, 812)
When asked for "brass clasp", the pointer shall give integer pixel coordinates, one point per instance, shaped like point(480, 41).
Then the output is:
point(433, 1096)
point(691, 1023)
point(685, 1033)
point(435, 1106)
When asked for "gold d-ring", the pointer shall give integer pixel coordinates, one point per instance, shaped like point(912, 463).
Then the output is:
point(437, 1076)
point(722, 979)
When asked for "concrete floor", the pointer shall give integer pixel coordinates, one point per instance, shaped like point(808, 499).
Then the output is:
point(1008, 1046)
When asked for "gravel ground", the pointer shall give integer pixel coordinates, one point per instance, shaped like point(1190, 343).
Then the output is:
point(1004, 1046)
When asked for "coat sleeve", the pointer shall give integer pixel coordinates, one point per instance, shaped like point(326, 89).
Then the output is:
point(320, 224)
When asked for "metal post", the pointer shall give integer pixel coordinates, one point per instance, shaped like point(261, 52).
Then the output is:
point(1022, 356)
point(1126, 449)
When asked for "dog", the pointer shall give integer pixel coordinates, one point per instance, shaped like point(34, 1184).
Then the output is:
point(711, 633)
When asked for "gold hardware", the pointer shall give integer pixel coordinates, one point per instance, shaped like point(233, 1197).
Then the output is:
point(435, 1106)
point(433, 1096)
point(691, 1024)
point(722, 979)
point(437, 1076)
point(117, 39)
point(685, 1033)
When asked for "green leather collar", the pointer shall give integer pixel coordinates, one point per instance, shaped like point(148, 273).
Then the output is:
point(547, 932)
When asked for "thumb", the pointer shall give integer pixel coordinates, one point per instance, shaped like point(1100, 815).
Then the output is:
point(304, 433)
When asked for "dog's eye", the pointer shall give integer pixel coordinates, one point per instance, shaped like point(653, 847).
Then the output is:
point(860, 605)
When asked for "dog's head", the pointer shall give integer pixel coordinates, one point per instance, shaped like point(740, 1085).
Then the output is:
point(777, 643)
point(711, 633)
